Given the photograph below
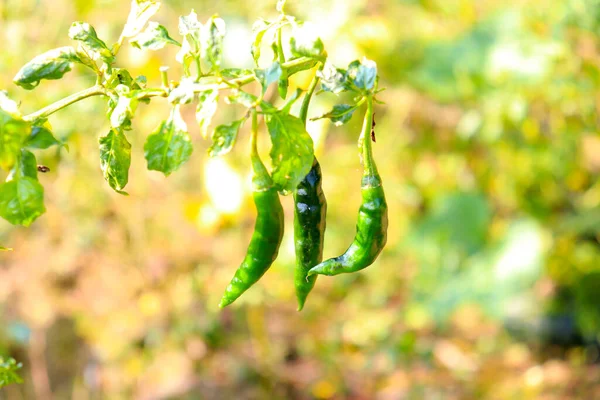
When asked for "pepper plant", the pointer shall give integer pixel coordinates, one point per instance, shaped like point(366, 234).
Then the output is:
point(204, 80)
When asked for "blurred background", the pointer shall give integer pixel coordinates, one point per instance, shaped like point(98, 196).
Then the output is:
point(489, 286)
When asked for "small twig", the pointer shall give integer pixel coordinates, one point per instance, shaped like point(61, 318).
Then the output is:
point(67, 101)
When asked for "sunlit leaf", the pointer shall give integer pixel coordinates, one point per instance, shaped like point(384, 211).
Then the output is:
point(190, 28)
point(332, 79)
point(13, 132)
point(207, 106)
point(9, 367)
point(268, 75)
point(292, 150)
point(169, 146)
point(184, 93)
point(363, 74)
point(140, 13)
point(154, 37)
point(125, 108)
point(26, 166)
point(339, 115)
point(304, 42)
point(259, 29)
point(41, 138)
point(92, 44)
point(115, 159)
point(52, 64)
point(224, 137)
point(212, 44)
point(21, 201)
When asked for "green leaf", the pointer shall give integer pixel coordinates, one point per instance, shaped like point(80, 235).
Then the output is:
point(268, 75)
point(190, 28)
point(292, 151)
point(212, 46)
point(280, 5)
point(120, 76)
point(232, 73)
point(140, 13)
point(52, 64)
point(282, 86)
point(26, 166)
point(13, 132)
point(259, 28)
point(154, 37)
point(9, 367)
point(115, 159)
point(2, 248)
point(21, 201)
point(298, 68)
point(363, 74)
point(92, 44)
point(333, 79)
point(41, 138)
point(169, 146)
point(339, 115)
point(125, 108)
point(224, 137)
point(305, 43)
point(207, 106)
point(288, 106)
point(184, 93)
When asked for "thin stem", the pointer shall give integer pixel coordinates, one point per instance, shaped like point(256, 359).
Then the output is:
point(164, 77)
point(261, 180)
point(280, 47)
point(308, 95)
point(254, 134)
point(198, 69)
point(67, 101)
point(365, 141)
point(98, 90)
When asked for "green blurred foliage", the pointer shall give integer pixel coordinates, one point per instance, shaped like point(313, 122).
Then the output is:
point(489, 150)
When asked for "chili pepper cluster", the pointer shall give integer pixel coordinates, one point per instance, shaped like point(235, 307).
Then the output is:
point(310, 209)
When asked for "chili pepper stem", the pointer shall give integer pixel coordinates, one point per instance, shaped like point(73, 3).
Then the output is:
point(261, 179)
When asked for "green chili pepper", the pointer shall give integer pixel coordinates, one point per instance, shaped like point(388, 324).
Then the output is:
point(310, 208)
point(268, 230)
point(309, 229)
point(371, 228)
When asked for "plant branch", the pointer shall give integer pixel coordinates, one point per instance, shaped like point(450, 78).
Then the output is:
point(308, 96)
point(67, 101)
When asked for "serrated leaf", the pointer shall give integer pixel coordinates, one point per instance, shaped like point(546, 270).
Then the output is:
point(52, 64)
point(363, 74)
point(268, 75)
point(13, 132)
point(292, 151)
point(92, 44)
point(339, 115)
point(21, 201)
point(140, 13)
point(224, 137)
point(169, 146)
point(212, 46)
point(207, 106)
point(304, 42)
point(115, 159)
point(41, 138)
point(154, 37)
point(259, 28)
point(333, 79)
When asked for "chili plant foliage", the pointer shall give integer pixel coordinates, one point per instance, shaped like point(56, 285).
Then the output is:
point(204, 80)
point(8, 371)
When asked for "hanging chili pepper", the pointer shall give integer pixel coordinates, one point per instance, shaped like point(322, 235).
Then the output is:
point(310, 208)
point(268, 230)
point(371, 228)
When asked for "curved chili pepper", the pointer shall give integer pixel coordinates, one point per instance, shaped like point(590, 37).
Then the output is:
point(268, 230)
point(310, 208)
point(371, 228)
